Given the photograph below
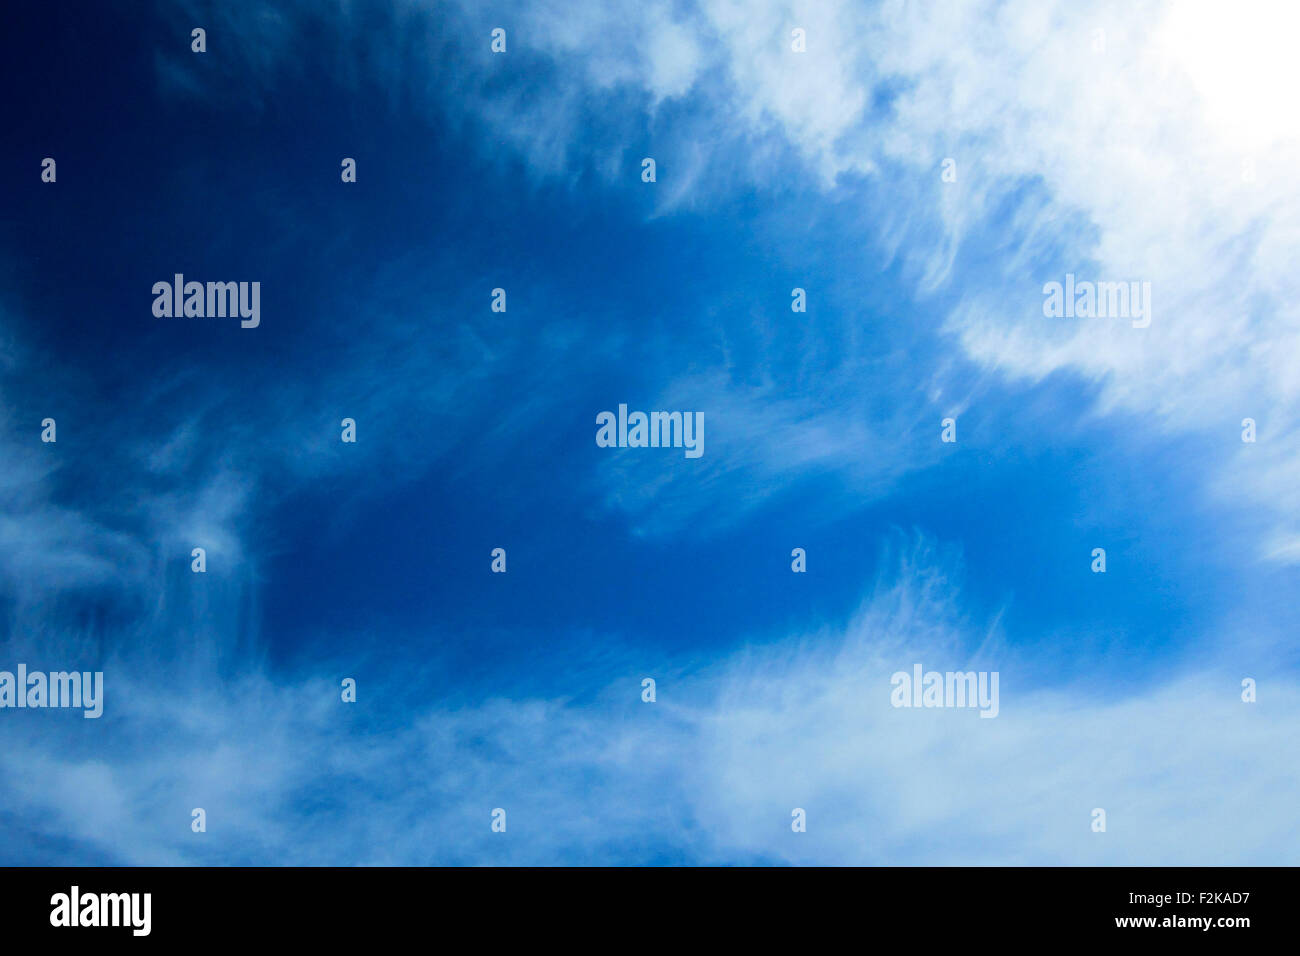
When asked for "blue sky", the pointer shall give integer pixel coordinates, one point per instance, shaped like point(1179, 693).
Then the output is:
point(1139, 157)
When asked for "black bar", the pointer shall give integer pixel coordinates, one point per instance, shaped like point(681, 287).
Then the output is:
point(334, 906)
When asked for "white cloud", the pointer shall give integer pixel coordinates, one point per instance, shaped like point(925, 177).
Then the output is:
point(757, 439)
point(1140, 150)
point(1187, 773)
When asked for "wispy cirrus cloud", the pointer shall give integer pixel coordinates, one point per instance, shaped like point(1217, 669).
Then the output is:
point(710, 772)
point(1095, 139)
